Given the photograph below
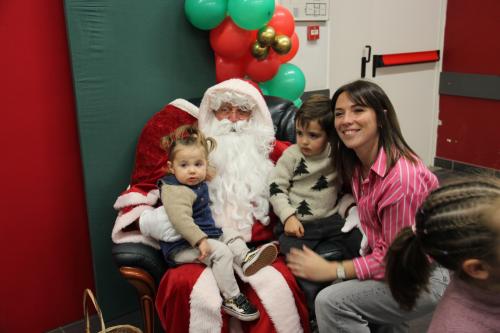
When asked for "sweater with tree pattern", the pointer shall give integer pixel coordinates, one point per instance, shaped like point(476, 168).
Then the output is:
point(306, 187)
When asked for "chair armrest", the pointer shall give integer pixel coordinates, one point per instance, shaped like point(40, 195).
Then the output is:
point(143, 267)
point(140, 256)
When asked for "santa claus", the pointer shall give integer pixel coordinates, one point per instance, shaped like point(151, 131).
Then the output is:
point(236, 115)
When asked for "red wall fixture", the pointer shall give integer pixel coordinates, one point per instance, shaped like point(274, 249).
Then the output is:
point(397, 59)
point(44, 241)
point(469, 126)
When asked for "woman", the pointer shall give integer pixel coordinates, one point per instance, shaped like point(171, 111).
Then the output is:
point(389, 182)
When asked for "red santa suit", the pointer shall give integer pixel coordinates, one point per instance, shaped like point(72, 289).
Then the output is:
point(188, 299)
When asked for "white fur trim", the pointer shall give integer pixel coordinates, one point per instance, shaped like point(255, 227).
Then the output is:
point(205, 305)
point(125, 219)
point(276, 297)
point(134, 198)
point(262, 116)
point(186, 106)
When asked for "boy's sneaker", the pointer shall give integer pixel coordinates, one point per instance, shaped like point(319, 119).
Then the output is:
point(258, 258)
point(241, 308)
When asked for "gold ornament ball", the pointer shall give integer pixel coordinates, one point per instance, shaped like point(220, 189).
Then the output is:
point(265, 36)
point(282, 44)
point(258, 51)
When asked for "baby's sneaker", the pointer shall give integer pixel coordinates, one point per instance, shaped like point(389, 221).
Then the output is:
point(241, 308)
point(258, 258)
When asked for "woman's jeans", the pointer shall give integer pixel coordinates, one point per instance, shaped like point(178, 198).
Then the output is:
point(351, 306)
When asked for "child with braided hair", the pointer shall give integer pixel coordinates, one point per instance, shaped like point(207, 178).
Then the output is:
point(184, 194)
point(458, 227)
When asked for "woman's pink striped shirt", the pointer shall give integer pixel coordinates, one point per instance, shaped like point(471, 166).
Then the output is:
point(387, 202)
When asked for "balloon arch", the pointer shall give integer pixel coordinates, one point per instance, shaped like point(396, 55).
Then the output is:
point(252, 39)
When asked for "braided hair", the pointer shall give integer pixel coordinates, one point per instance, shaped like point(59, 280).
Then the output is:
point(451, 226)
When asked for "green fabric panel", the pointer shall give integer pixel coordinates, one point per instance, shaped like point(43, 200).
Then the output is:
point(129, 59)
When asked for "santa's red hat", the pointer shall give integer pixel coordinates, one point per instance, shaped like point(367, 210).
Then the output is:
point(241, 91)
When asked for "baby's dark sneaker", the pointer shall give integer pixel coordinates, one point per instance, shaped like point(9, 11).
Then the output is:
point(241, 308)
point(258, 258)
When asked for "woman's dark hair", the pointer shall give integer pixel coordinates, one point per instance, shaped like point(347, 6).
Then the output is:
point(316, 107)
point(369, 94)
point(451, 226)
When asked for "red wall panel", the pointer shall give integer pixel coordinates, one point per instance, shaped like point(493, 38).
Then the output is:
point(469, 130)
point(44, 241)
point(471, 37)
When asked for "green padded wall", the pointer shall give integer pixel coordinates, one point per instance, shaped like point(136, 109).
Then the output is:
point(129, 59)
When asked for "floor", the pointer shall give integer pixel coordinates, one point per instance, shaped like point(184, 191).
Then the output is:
point(133, 318)
point(416, 326)
point(445, 174)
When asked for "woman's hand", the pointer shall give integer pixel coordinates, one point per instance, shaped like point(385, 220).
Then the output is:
point(204, 249)
point(309, 265)
point(293, 227)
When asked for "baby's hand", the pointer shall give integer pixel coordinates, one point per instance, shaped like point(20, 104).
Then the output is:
point(204, 249)
point(293, 227)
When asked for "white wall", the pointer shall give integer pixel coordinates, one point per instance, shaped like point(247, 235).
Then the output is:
point(312, 56)
point(389, 26)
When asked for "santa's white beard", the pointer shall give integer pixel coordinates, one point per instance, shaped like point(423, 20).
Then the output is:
point(240, 191)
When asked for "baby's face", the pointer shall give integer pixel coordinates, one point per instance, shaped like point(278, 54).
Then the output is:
point(189, 165)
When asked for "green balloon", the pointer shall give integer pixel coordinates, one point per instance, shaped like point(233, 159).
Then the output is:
point(205, 14)
point(298, 103)
point(288, 83)
point(264, 89)
point(250, 14)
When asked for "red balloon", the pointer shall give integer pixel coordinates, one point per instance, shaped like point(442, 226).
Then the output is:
point(230, 41)
point(226, 69)
point(253, 35)
point(282, 21)
point(263, 70)
point(293, 51)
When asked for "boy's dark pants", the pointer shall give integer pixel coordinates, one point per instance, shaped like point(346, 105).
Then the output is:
point(325, 238)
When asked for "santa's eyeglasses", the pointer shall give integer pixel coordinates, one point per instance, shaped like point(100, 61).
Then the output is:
point(228, 110)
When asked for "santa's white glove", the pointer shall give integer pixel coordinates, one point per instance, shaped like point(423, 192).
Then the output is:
point(155, 223)
point(351, 222)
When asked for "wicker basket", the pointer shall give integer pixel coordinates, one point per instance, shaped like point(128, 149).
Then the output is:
point(87, 294)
